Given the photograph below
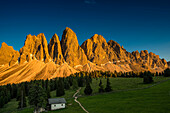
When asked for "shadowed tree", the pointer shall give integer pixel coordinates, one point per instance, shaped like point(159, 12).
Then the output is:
point(88, 90)
point(22, 97)
point(48, 92)
point(101, 88)
point(167, 72)
point(108, 87)
point(60, 88)
point(37, 97)
point(66, 84)
point(75, 84)
point(147, 77)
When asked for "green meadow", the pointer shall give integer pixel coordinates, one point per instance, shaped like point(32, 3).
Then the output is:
point(151, 100)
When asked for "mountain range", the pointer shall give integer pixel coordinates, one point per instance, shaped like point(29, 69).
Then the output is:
point(39, 60)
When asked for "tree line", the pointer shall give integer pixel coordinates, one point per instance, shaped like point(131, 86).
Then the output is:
point(38, 91)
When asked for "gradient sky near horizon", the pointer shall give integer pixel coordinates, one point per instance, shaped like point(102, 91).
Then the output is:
point(135, 24)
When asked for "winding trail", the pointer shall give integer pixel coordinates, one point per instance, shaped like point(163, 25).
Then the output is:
point(75, 99)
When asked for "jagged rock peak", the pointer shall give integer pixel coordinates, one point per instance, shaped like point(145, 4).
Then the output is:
point(146, 52)
point(55, 51)
point(4, 44)
point(113, 43)
point(96, 49)
point(35, 47)
point(98, 38)
point(8, 55)
point(142, 53)
point(121, 53)
point(136, 54)
point(72, 52)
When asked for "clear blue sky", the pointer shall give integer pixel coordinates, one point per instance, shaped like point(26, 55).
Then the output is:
point(135, 24)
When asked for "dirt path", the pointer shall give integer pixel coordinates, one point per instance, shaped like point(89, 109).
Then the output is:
point(75, 99)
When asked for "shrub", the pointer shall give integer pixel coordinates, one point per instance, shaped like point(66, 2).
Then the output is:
point(167, 72)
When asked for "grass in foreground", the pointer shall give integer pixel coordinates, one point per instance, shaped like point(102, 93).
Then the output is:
point(152, 100)
point(120, 83)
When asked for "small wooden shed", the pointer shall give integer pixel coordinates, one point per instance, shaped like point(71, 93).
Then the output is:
point(56, 103)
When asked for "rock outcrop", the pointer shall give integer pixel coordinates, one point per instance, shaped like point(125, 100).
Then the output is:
point(55, 51)
point(72, 52)
point(35, 48)
point(97, 50)
point(8, 55)
point(168, 64)
point(119, 51)
point(146, 59)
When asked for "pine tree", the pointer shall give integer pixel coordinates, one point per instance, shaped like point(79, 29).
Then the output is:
point(167, 72)
point(101, 89)
point(147, 78)
point(51, 85)
point(22, 97)
point(100, 82)
point(1, 101)
point(70, 80)
point(108, 87)
point(60, 88)
point(75, 84)
point(48, 92)
point(157, 74)
point(81, 81)
point(66, 84)
point(46, 84)
point(90, 79)
point(37, 97)
point(14, 90)
point(88, 90)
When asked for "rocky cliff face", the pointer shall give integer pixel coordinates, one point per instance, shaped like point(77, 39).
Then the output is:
point(121, 53)
point(72, 52)
point(149, 59)
point(35, 48)
point(55, 51)
point(168, 64)
point(97, 50)
point(8, 55)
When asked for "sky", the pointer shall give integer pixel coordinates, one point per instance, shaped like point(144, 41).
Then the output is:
point(135, 24)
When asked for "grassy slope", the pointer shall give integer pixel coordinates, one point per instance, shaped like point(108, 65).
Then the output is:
point(153, 100)
point(72, 107)
point(122, 83)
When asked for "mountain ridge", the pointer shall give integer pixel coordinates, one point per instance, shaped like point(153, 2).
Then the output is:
point(60, 58)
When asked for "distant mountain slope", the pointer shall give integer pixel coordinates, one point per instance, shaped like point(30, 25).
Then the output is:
point(39, 60)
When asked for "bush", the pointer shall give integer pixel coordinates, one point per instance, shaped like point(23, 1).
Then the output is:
point(167, 72)
point(108, 86)
point(88, 90)
point(101, 89)
point(147, 79)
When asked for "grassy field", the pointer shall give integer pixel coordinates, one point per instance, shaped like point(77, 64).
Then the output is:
point(122, 83)
point(113, 101)
point(152, 100)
